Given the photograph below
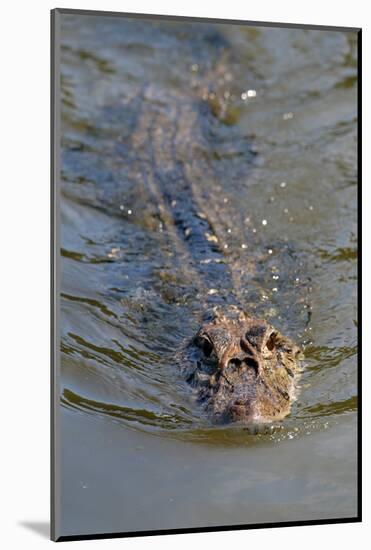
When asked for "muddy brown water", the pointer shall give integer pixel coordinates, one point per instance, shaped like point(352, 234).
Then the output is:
point(278, 178)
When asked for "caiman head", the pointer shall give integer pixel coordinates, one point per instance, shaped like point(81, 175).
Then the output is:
point(245, 370)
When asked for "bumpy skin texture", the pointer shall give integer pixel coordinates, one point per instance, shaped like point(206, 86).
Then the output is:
point(244, 370)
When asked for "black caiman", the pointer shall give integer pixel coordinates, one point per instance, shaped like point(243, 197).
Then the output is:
point(241, 367)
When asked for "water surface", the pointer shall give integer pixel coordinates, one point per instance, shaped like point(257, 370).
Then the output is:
point(137, 451)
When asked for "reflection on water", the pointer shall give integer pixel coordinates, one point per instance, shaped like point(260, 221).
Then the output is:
point(263, 122)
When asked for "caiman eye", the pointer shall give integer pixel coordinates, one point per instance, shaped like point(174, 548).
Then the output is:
point(255, 333)
point(271, 342)
point(204, 344)
point(207, 347)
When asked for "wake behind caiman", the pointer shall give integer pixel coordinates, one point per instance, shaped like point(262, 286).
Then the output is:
point(240, 366)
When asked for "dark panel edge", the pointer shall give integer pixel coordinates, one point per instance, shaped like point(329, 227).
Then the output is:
point(66, 538)
point(68, 11)
point(359, 292)
point(54, 229)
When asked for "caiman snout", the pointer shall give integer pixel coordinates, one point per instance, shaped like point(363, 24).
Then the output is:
point(245, 369)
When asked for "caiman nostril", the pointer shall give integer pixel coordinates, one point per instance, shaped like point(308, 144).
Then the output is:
point(251, 362)
point(235, 362)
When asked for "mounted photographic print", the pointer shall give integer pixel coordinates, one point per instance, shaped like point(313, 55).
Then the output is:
point(204, 319)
